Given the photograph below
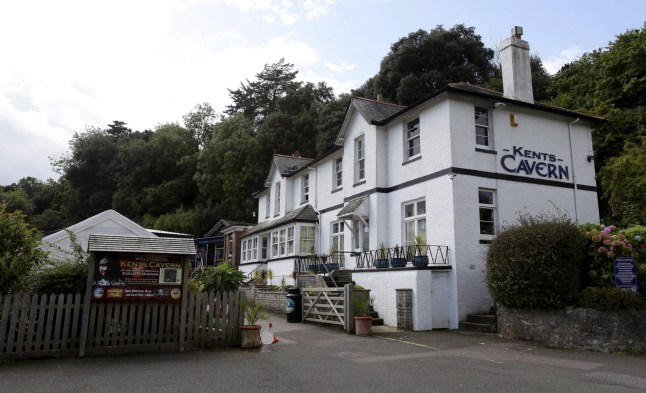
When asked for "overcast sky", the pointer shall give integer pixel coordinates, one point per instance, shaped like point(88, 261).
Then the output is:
point(66, 65)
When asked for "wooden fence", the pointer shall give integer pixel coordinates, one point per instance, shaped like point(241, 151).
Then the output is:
point(33, 326)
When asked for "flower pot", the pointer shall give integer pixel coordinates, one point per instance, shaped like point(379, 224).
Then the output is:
point(420, 261)
point(250, 336)
point(363, 326)
point(381, 263)
point(397, 262)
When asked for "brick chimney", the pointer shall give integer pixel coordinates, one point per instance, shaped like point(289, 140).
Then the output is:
point(516, 71)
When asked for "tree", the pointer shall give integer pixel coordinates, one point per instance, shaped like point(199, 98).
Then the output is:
point(89, 174)
point(228, 168)
point(200, 122)
point(423, 62)
point(624, 182)
point(19, 250)
point(257, 99)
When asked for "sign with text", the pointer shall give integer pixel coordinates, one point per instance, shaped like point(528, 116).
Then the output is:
point(625, 275)
point(137, 277)
point(523, 161)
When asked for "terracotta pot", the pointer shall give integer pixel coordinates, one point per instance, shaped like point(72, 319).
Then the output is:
point(363, 326)
point(250, 336)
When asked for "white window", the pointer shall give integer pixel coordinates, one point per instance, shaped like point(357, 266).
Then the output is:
point(254, 249)
point(243, 254)
point(307, 242)
point(263, 251)
point(487, 210)
point(290, 240)
point(305, 188)
point(482, 126)
point(274, 244)
point(414, 221)
point(361, 235)
point(338, 173)
point(277, 201)
point(267, 203)
point(360, 159)
point(281, 241)
point(337, 235)
point(412, 142)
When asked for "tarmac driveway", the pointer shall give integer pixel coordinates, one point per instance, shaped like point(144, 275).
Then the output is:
point(311, 358)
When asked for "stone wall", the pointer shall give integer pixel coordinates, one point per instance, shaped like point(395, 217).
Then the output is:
point(272, 300)
point(582, 328)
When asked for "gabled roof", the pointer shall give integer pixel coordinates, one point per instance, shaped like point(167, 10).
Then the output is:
point(372, 111)
point(304, 213)
point(286, 165)
point(95, 221)
point(220, 226)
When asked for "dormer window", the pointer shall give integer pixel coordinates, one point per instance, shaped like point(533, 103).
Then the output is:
point(277, 199)
point(360, 159)
point(338, 173)
point(305, 188)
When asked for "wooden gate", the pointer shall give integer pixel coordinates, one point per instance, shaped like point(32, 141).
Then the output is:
point(330, 306)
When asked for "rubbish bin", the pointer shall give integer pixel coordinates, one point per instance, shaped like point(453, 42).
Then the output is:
point(294, 305)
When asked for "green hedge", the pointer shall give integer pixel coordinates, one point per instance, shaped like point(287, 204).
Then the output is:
point(536, 263)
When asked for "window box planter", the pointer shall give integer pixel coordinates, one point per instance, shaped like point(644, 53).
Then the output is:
point(398, 262)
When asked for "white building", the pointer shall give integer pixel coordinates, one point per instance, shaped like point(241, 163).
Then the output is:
point(451, 169)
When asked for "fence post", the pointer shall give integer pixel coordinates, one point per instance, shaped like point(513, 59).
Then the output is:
point(86, 306)
point(349, 308)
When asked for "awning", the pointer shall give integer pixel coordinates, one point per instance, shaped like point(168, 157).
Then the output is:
point(355, 207)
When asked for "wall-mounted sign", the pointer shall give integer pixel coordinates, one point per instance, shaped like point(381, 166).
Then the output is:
point(137, 277)
point(531, 162)
point(625, 274)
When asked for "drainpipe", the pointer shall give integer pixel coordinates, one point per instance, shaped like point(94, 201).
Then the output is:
point(576, 210)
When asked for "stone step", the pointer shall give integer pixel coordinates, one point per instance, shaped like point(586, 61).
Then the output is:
point(477, 327)
point(377, 321)
point(482, 318)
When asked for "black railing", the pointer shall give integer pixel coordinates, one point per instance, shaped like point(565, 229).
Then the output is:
point(319, 264)
point(401, 256)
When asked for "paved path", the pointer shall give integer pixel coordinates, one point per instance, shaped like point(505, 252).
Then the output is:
point(310, 358)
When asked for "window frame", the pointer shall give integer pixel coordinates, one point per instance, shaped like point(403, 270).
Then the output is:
point(486, 206)
point(483, 133)
point(305, 188)
point(359, 159)
point(411, 143)
point(337, 238)
point(304, 239)
point(277, 199)
point(416, 218)
point(337, 173)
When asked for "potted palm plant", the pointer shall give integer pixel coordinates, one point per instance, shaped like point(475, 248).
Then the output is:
point(399, 257)
point(362, 319)
point(420, 259)
point(382, 257)
point(250, 333)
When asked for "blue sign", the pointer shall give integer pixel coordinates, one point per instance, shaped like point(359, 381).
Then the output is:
point(625, 275)
point(531, 162)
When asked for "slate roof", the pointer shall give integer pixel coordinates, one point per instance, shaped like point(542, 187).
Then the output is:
point(351, 207)
point(304, 213)
point(469, 89)
point(288, 165)
point(223, 224)
point(372, 110)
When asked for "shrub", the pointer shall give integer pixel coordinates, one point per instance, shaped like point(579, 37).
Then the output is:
point(610, 299)
point(68, 276)
point(221, 278)
point(19, 251)
point(536, 263)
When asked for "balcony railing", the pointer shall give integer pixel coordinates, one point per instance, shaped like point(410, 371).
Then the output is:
point(402, 256)
point(319, 264)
